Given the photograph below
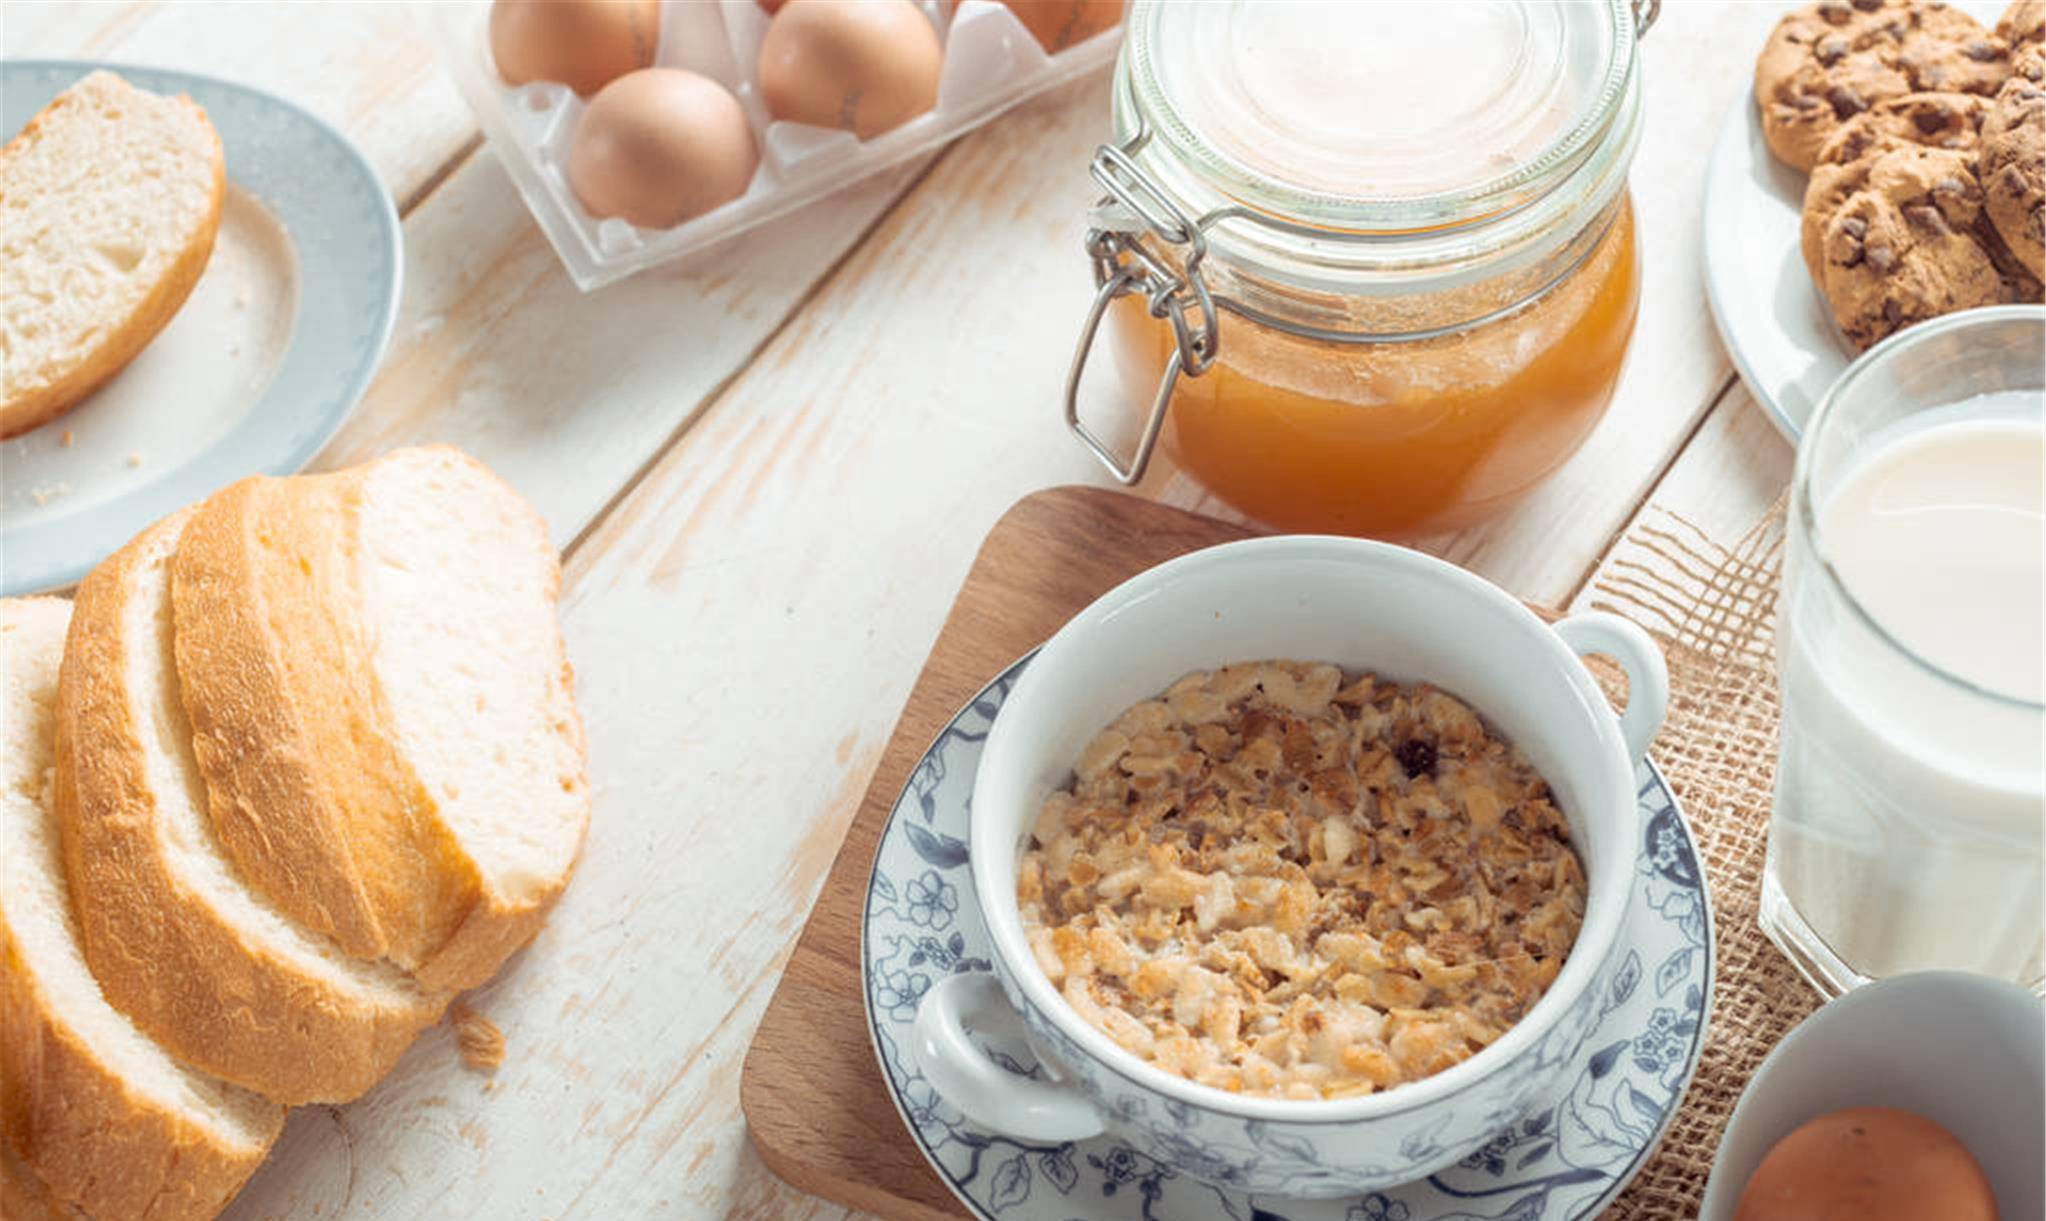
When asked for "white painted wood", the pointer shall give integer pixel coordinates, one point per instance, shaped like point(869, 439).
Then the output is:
point(747, 617)
point(362, 67)
point(567, 395)
point(1725, 481)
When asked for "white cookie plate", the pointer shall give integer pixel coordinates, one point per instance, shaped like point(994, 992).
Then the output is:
point(1777, 328)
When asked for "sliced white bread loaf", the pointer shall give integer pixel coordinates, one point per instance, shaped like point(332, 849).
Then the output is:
point(109, 202)
point(384, 709)
point(99, 1115)
point(201, 962)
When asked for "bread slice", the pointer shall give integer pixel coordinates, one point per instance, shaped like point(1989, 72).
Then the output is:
point(23, 1197)
point(109, 202)
point(383, 707)
point(287, 734)
point(201, 962)
point(103, 1117)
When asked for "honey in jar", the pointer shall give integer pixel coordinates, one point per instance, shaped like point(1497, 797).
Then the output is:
point(1355, 315)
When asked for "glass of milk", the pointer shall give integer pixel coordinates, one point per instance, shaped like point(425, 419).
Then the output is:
point(1911, 789)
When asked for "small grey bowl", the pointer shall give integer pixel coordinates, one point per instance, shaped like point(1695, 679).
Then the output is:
point(1965, 1051)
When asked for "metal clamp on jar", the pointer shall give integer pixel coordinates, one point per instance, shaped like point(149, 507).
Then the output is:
point(1414, 216)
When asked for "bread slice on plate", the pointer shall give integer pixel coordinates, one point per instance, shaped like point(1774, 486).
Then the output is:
point(201, 962)
point(383, 708)
point(109, 202)
point(96, 1116)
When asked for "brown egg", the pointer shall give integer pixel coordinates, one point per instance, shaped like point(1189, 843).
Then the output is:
point(867, 66)
point(1058, 24)
point(659, 146)
point(1868, 1164)
point(584, 44)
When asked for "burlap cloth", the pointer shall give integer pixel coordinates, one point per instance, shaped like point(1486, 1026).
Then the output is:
point(1713, 609)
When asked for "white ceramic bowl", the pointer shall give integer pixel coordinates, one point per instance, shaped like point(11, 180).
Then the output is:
point(1965, 1051)
point(1362, 605)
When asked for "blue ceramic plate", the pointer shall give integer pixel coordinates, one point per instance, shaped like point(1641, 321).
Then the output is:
point(258, 369)
point(1566, 1160)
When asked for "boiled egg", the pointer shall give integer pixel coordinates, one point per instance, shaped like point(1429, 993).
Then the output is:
point(1058, 24)
point(659, 146)
point(1868, 1164)
point(867, 66)
point(584, 44)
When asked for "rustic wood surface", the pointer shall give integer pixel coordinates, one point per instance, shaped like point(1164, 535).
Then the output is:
point(769, 468)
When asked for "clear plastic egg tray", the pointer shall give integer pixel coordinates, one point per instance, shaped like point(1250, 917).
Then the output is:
point(991, 63)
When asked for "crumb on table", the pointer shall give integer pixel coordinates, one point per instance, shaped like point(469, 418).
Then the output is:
point(481, 1042)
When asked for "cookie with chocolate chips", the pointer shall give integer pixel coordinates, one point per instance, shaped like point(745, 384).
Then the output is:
point(2013, 165)
point(2023, 24)
point(1828, 62)
point(1930, 120)
point(1904, 238)
point(1934, 120)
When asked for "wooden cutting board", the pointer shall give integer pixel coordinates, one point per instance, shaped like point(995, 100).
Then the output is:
point(812, 1091)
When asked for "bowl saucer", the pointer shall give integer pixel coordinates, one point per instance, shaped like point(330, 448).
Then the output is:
point(1569, 1158)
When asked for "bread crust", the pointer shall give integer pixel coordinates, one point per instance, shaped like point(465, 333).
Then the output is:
point(78, 1136)
point(23, 1197)
point(90, 1139)
point(305, 793)
point(309, 792)
point(38, 405)
point(212, 993)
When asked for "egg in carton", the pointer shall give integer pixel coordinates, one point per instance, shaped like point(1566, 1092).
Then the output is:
point(989, 59)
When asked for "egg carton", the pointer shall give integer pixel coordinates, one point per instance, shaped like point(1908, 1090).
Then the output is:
point(991, 62)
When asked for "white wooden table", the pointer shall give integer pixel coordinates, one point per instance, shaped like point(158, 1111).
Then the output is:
point(768, 470)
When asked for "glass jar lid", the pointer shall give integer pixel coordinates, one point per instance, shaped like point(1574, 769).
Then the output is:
point(1388, 116)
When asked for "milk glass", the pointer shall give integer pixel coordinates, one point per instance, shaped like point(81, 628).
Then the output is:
point(1911, 788)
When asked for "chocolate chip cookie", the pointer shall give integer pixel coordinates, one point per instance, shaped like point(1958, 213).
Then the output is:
point(1934, 120)
point(1930, 120)
point(1907, 240)
point(2013, 159)
point(1828, 62)
point(2023, 24)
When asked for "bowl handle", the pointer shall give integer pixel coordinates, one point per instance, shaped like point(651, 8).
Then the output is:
point(1647, 675)
point(985, 1092)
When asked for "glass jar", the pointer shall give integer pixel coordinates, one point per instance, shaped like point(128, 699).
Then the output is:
point(1371, 266)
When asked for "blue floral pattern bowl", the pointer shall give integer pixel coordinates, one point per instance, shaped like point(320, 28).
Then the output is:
point(1569, 1154)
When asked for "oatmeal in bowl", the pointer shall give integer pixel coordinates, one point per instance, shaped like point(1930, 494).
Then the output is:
point(1306, 927)
point(1277, 879)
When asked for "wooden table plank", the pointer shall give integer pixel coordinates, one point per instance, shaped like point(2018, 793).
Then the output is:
point(568, 395)
point(1725, 481)
point(362, 67)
